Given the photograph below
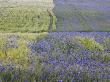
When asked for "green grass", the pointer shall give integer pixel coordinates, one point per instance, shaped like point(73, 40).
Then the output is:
point(25, 18)
point(89, 43)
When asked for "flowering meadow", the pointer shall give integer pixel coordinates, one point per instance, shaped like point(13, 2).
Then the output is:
point(55, 57)
point(42, 41)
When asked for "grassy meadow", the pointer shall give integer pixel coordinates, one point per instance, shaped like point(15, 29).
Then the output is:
point(53, 16)
point(28, 17)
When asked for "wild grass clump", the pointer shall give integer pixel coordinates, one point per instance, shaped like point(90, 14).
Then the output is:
point(89, 43)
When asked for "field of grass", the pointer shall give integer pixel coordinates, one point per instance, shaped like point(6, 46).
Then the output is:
point(53, 15)
point(25, 17)
point(55, 57)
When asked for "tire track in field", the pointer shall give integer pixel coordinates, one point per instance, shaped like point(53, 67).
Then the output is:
point(51, 21)
point(83, 20)
point(62, 23)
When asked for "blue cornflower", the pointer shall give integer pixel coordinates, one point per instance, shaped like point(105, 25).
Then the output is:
point(53, 62)
point(8, 64)
point(60, 81)
point(108, 77)
point(76, 75)
point(2, 69)
point(26, 81)
point(73, 80)
point(12, 67)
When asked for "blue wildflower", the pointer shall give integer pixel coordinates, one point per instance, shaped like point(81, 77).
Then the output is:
point(8, 65)
point(60, 81)
point(12, 67)
point(73, 80)
point(2, 69)
point(108, 77)
point(26, 81)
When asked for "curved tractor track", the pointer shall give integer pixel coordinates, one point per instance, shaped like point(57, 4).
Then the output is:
point(86, 15)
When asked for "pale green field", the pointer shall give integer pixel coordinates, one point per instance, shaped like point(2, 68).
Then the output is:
point(27, 17)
